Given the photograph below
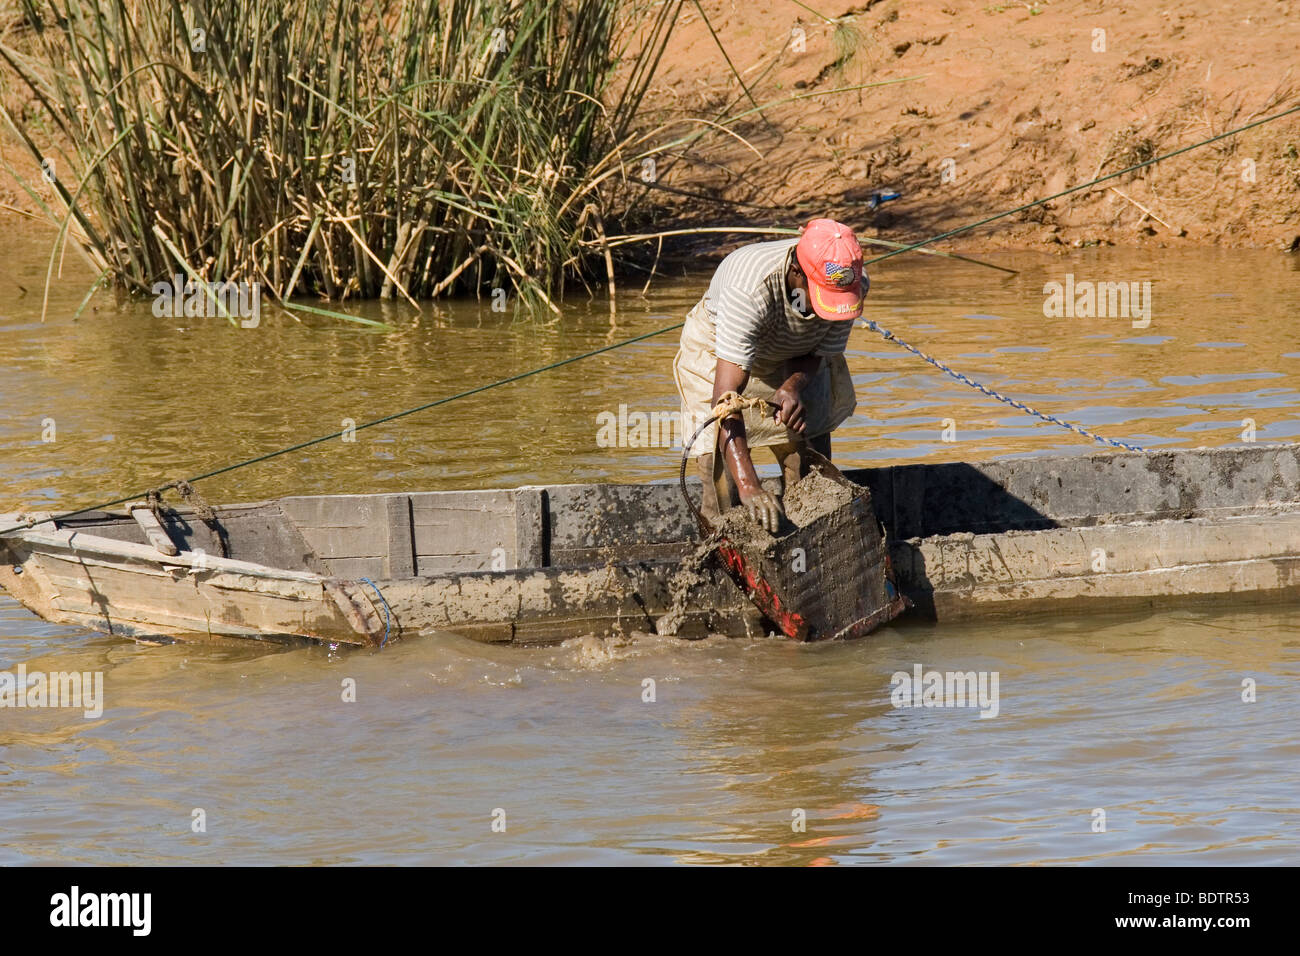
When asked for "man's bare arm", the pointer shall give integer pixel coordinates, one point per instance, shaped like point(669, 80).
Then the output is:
point(734, 447)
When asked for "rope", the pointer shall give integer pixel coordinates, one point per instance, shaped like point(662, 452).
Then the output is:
point(188, 494)
point(891, 337)
point(205, 512)
point(731, 402)
point(378, 421)
point(728, 404)
point(387, 613)
point(670, 328)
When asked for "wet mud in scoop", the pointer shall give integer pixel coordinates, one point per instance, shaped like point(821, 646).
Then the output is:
point(812, 497)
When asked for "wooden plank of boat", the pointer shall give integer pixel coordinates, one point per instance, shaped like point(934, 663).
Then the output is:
point(542, 563)
point(1255, 558)
point(126, 588)
point(129, 589)
point(547, 605)
point(153, 529)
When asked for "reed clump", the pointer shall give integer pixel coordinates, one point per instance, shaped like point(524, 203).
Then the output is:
point(340, 148)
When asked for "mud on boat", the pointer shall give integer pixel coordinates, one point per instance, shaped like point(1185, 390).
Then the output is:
point(542, 563)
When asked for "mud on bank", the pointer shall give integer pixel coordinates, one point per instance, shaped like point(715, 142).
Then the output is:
point(1011, 102)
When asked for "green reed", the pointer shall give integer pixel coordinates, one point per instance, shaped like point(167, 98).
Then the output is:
point(341, 148)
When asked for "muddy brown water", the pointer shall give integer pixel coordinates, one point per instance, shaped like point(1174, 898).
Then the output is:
point(652, 750)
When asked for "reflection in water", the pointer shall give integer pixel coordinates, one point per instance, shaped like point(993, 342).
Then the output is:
point(1140, 715)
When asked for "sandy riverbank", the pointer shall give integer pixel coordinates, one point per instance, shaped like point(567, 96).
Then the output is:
point(1009, 102)
point(1001, 103)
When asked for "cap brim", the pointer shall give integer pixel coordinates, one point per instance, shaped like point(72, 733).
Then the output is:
point(837, 305)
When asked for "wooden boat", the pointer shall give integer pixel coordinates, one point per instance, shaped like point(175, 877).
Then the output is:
point(538, 564)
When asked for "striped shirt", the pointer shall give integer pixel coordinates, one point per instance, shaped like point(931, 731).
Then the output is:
point(755, 324)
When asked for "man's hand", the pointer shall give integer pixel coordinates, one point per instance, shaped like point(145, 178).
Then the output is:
point(790, 411)
point(789, 397)
point(763, 508)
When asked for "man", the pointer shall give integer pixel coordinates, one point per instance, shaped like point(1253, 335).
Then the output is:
point(773, 324)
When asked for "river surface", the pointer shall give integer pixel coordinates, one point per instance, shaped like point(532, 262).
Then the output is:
point(752, 751)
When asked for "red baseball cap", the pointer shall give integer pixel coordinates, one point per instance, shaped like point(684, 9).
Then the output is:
point(831, 258)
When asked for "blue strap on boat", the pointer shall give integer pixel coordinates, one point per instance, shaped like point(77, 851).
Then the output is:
point(387, 612)
point(891, 337)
